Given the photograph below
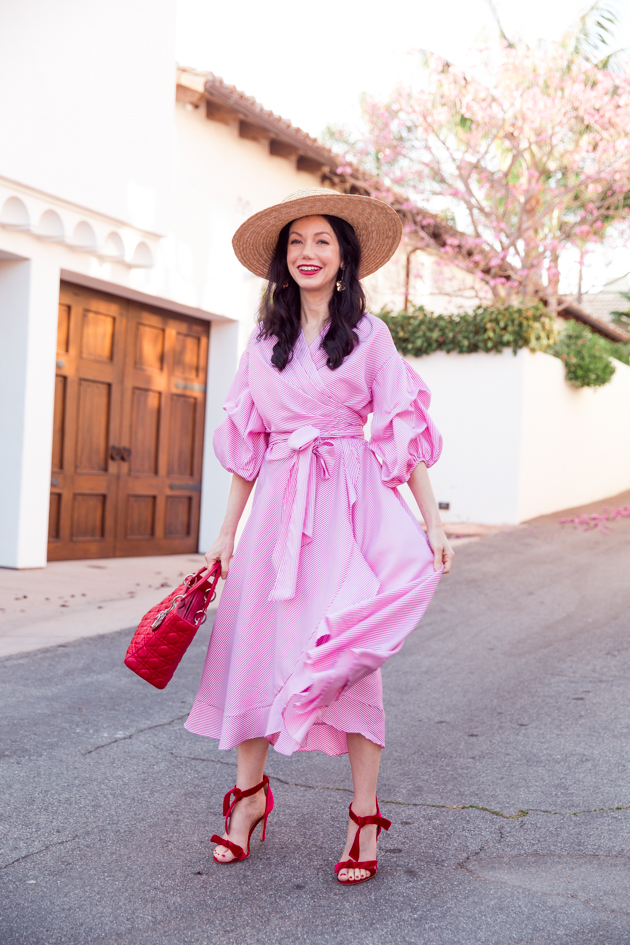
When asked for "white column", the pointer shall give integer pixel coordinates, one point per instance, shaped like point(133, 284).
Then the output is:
point(29, 298)
point(215, 484)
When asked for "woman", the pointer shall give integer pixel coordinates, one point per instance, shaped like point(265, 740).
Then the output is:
point(332, 570)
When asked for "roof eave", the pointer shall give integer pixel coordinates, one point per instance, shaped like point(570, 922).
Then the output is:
point(607, 330)
point(276, 127)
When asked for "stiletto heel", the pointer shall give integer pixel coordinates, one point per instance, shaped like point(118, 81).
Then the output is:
point(353, 862)
point(228, 806)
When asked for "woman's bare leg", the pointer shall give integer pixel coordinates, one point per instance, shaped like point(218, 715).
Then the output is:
point(251, 758)
point(365, 758)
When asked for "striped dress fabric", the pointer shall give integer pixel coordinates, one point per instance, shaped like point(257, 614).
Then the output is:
point(332, 571)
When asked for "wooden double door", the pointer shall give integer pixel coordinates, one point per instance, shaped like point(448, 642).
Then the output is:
point(128, 429)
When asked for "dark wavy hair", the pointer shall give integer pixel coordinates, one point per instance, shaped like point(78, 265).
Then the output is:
point(279, 315)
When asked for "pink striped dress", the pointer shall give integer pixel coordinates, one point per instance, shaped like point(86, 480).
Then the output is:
point(332, 571)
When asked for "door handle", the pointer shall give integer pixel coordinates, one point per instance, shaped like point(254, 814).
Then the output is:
point(125, 454)
point(115, 452)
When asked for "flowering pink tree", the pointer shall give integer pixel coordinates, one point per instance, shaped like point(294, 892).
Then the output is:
point(531, 152)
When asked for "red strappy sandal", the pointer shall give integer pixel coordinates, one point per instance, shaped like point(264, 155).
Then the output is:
point(238, 852)
point(353, 862)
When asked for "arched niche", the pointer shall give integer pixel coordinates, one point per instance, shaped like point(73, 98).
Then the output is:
point(51, 227)
point(113, 248)
point(142, 256)
point(83, 237)
point(15, 215)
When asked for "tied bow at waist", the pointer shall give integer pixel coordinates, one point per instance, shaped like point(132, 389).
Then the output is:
point(308, 446)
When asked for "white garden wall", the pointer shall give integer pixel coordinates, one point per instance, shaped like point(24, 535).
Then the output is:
point(575, 446)
point(519, 441)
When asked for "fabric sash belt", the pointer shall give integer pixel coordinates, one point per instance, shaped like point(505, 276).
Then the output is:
point(308, 446)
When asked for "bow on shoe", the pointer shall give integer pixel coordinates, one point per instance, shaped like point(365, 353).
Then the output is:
point(381, 822)
point(228, 806)
point(238, 796)
point(353, 862)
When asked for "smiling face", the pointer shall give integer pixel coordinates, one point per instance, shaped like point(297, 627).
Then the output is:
point(313, 255)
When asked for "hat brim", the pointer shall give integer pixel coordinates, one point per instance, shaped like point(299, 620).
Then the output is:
point(377, 226)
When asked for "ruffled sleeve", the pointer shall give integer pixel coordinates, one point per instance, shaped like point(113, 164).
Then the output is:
point(403, 434)
point(241, 440)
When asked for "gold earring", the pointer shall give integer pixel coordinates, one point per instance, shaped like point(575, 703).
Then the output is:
point(341, 285)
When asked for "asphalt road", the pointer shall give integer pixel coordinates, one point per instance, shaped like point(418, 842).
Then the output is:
point(505, 775)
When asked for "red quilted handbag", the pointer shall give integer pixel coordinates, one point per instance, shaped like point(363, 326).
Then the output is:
point(167, 630)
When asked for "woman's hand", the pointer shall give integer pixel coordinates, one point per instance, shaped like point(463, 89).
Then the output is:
point(222, 550)
point(420, 486)
point(442, 551)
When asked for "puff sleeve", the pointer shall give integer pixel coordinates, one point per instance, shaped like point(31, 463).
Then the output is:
point(241, 440)
point(403, 434)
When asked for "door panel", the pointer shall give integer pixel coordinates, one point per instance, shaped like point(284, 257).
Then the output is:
point(145, 431)
point(53, 516)
point(163, 430)
point(93, 426)
point(58, 422)
point(178, 516)
point(149, 348)
point(186, 355)
point(128, 429)
point(88, 516)
point(97, 338)
point(63, 327)
point(140, 516)
point(183, 432)
point(91, 343)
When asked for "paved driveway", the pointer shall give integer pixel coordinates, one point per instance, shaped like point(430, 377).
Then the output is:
point(506, 778)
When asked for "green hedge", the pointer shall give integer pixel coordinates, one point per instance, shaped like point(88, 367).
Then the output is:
point(618, 350)
point(419, 332)
point(586, 355)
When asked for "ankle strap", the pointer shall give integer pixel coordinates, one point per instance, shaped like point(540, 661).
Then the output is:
point(381, 822)
point(239, 795)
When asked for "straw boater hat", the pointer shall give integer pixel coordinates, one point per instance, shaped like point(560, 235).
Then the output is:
point(377, 226)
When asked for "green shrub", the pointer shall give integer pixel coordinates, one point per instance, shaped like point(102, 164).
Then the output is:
point(586, 356)
point(620, 350)
point(623, 318)
point(419, 332)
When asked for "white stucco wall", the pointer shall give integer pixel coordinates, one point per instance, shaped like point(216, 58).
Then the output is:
point(519, 441)
point(87, 106)
point(476, 405)
point(220, 180)
point(28, 329)
point(107, 182)
point(575, 446)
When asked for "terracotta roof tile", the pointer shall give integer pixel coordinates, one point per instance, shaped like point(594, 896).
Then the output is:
point(605, 328)
point(215, 87)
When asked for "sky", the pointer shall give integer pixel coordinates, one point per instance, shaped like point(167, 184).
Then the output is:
point(310, 62)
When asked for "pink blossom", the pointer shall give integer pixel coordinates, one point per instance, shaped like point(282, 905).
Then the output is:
point(535, 156)
point(597, 521)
